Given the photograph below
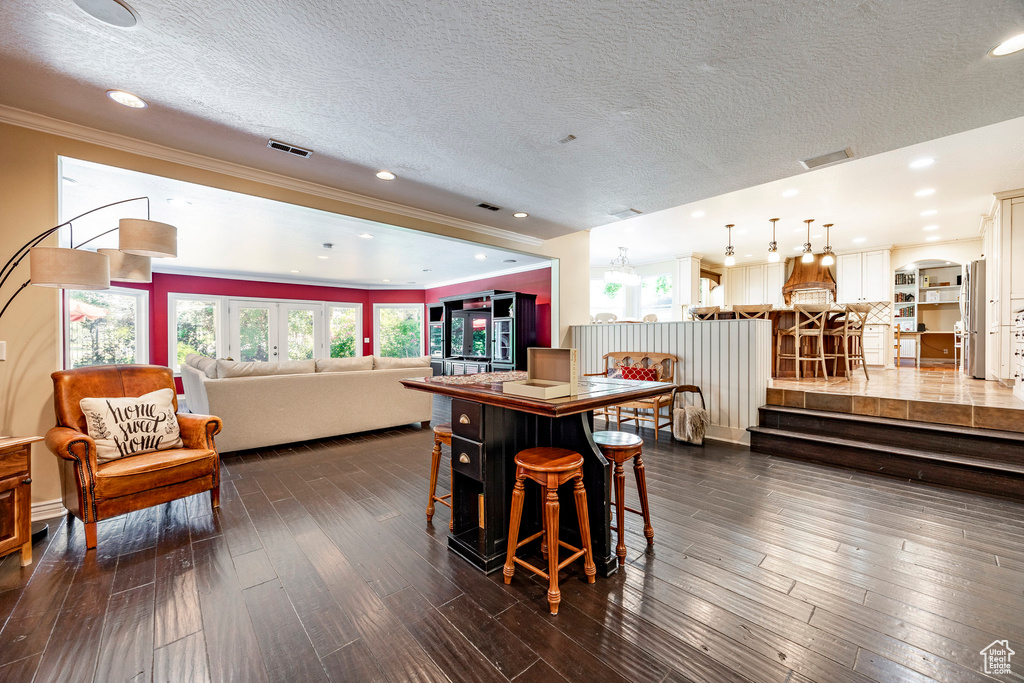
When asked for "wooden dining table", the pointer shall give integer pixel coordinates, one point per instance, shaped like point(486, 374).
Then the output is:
point(489, 427)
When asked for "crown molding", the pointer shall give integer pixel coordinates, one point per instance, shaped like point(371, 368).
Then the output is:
point(46, 124)
point(1010, 194)
point(499, 273)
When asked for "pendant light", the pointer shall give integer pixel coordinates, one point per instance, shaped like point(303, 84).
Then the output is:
point(827, 259)
point(730, 258)
point(808, 256)
point(773, 246)
point(621, 271)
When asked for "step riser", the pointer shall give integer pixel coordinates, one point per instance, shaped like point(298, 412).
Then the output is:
point(991, 449)
point(956, 476)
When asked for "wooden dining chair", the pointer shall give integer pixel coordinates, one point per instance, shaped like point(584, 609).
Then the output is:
point(651, 318)
point(809, 330)
point(759, 311)
point(704, 313)
point(849, 339)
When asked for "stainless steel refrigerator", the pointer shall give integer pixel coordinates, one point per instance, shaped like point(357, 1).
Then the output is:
point(972, 312)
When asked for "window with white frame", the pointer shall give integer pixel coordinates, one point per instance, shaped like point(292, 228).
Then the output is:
point(607, 297)
point(106, 327)
point(656, 295)
point(398, 330)
point(345, 327)
point(195, 325)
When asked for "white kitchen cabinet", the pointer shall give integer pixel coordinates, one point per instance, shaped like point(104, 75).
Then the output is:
point(863, 276)
point(874, 341)
point(774, 278)
point(735, 286)
point(755, 285)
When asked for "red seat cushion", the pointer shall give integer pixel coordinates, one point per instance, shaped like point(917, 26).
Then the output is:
point(646, 374)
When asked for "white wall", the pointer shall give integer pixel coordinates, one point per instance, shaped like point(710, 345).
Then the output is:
point(957, 251)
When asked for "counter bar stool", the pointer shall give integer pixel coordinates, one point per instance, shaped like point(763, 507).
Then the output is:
point(811, 320)
point(705, 313)
point(549, 467)
point(849, 339)
point(759, 311)
point(620, 447)
point(442, 435)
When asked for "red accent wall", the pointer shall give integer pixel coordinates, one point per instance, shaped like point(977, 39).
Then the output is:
point(530, 282)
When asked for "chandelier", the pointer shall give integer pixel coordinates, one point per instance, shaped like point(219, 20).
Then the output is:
point(621, 271)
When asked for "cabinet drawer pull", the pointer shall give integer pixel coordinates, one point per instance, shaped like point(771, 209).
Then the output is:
point(27, 481)
point(464, 459)
point(464, 419)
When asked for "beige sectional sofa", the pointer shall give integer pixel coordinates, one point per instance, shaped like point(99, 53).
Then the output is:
point(265, 404)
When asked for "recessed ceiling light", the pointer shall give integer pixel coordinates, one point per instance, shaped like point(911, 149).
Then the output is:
point(929, 212)
point(1009, 46)
point(949, 263)
point(697, 214)
point(480, 257)
point(858, 240)
point(366, 235)
point(385, 175)
point(798, 229)
point(113, 12)
point(69, 180)
point(323, 257)
point(931, 227)
point(932, 238)
point(127, 99)
point(176, 201)
point(798, 248)
point(925, 192)
point(520, 214)
point(923, 162)
point(509, 260)
point(790, 193)
point(816, 237)
point(747, 255)
point(385, 280)
point(293, 271)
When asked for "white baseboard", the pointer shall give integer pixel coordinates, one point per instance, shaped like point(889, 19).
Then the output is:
point(47, 509)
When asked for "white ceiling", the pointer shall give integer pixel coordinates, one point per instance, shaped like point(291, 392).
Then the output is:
point(672, 101)
point(226, 233)
point(871, 201)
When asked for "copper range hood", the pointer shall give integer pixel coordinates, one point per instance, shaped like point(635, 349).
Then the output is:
point(811, 275)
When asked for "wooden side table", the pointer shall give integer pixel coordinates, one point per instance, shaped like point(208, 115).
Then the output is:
point(16, 496)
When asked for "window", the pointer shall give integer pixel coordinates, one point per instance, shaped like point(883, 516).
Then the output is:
point(607, 297)
point(656, 296)
point(195, 324)
point(398, 330)
point(346, 329)
point(106, 327)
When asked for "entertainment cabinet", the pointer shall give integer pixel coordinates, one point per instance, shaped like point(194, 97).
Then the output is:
point(481, 332)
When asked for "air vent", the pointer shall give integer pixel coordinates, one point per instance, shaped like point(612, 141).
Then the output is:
point(567, 138)
point(489, 207)
point(826, 159)
point(291, 149)
point(627, 213)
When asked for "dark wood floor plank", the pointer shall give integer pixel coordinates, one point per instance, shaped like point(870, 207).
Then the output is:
point(235, 523)
point(540, 672)
point(126, 647)
point(20, 670)
point(287, 650)
point(396, 651)
point(183, 661)
point(353, 663)
point(502, 648)
point(253, 568)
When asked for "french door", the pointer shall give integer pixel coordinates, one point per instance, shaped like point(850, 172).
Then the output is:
point(272, 331)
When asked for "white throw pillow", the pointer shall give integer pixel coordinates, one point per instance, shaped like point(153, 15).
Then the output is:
point(344, 364)
point(232, 368)
point(130, 426)
point(382, 363)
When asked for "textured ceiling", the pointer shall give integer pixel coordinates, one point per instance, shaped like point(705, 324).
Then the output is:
point(671, 101)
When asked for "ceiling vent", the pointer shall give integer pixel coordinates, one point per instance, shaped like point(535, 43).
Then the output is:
point(291, 149)
point(489, 207)
point(567, 138)
point(826, 159)
point(627, 213)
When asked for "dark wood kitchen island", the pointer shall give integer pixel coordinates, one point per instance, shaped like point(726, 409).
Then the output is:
point(490, 427)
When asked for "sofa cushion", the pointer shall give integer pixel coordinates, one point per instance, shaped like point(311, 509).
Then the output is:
point(127, 426)
point(344, 364)
point(383, 363)
point(205, 365)
point(232, 368)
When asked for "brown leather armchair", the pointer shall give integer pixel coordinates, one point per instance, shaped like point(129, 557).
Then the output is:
point(95, 491)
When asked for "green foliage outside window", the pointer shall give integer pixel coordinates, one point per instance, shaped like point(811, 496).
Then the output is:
point(253, 334)
point(300, 335)
point(107, 339)
point(612, 289)
point(197, 329)
point(343, 332)
point(400, 332)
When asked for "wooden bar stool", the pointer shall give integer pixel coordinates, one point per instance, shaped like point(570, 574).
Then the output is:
point(620, 447)
point(549, 467)
point(442, 435)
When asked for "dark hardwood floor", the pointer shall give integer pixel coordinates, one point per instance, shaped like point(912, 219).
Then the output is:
point(320, 566)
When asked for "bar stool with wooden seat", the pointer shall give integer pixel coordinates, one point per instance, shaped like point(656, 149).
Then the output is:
point(442, 435)
point(619, 447)
point(849, 339)
point(759, 311)
point(549, 467)
point(810, 328)
point(705, 312)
